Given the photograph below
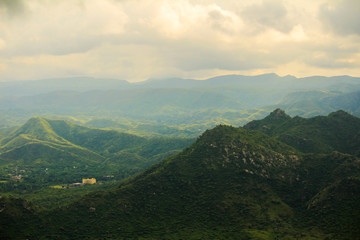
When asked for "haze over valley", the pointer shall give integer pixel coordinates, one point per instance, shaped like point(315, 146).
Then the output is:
point(175, 107)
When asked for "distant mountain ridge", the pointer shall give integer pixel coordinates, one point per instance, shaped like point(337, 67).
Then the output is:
point(34, 87)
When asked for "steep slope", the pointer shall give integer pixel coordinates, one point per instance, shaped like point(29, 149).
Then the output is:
point(339, 131)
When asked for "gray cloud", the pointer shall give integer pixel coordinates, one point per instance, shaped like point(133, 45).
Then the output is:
point(220, 22)
point(268, 14)
point(12, 7)
point(342, 17)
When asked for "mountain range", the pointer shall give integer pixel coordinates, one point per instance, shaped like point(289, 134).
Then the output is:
point(256, 182)
point(174, 106)
point(83, 84)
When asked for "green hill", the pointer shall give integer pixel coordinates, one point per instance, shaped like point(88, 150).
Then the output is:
point(36, 142)
point(339, 131)
point(91, 142)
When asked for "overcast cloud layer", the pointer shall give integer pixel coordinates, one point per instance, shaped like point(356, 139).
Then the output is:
point(139, 39)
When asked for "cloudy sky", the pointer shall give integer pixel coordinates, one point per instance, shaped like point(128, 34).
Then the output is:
point(139, 39)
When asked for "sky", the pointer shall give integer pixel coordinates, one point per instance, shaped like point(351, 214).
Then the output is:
point(135, 40)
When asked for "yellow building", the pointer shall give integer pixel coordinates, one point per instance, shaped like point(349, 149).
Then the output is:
point(89, 181)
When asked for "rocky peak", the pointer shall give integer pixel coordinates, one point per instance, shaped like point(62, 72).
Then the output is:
point(278, 114)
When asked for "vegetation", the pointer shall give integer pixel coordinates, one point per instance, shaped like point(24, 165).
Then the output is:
point(232, 183)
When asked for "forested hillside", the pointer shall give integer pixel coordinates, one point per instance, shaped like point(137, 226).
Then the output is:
point(232, 183)
point(339, 131)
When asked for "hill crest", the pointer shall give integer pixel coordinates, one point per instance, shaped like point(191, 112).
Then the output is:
point(339, 131)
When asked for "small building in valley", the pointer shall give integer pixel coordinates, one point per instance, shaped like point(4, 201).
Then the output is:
point(89, 181)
